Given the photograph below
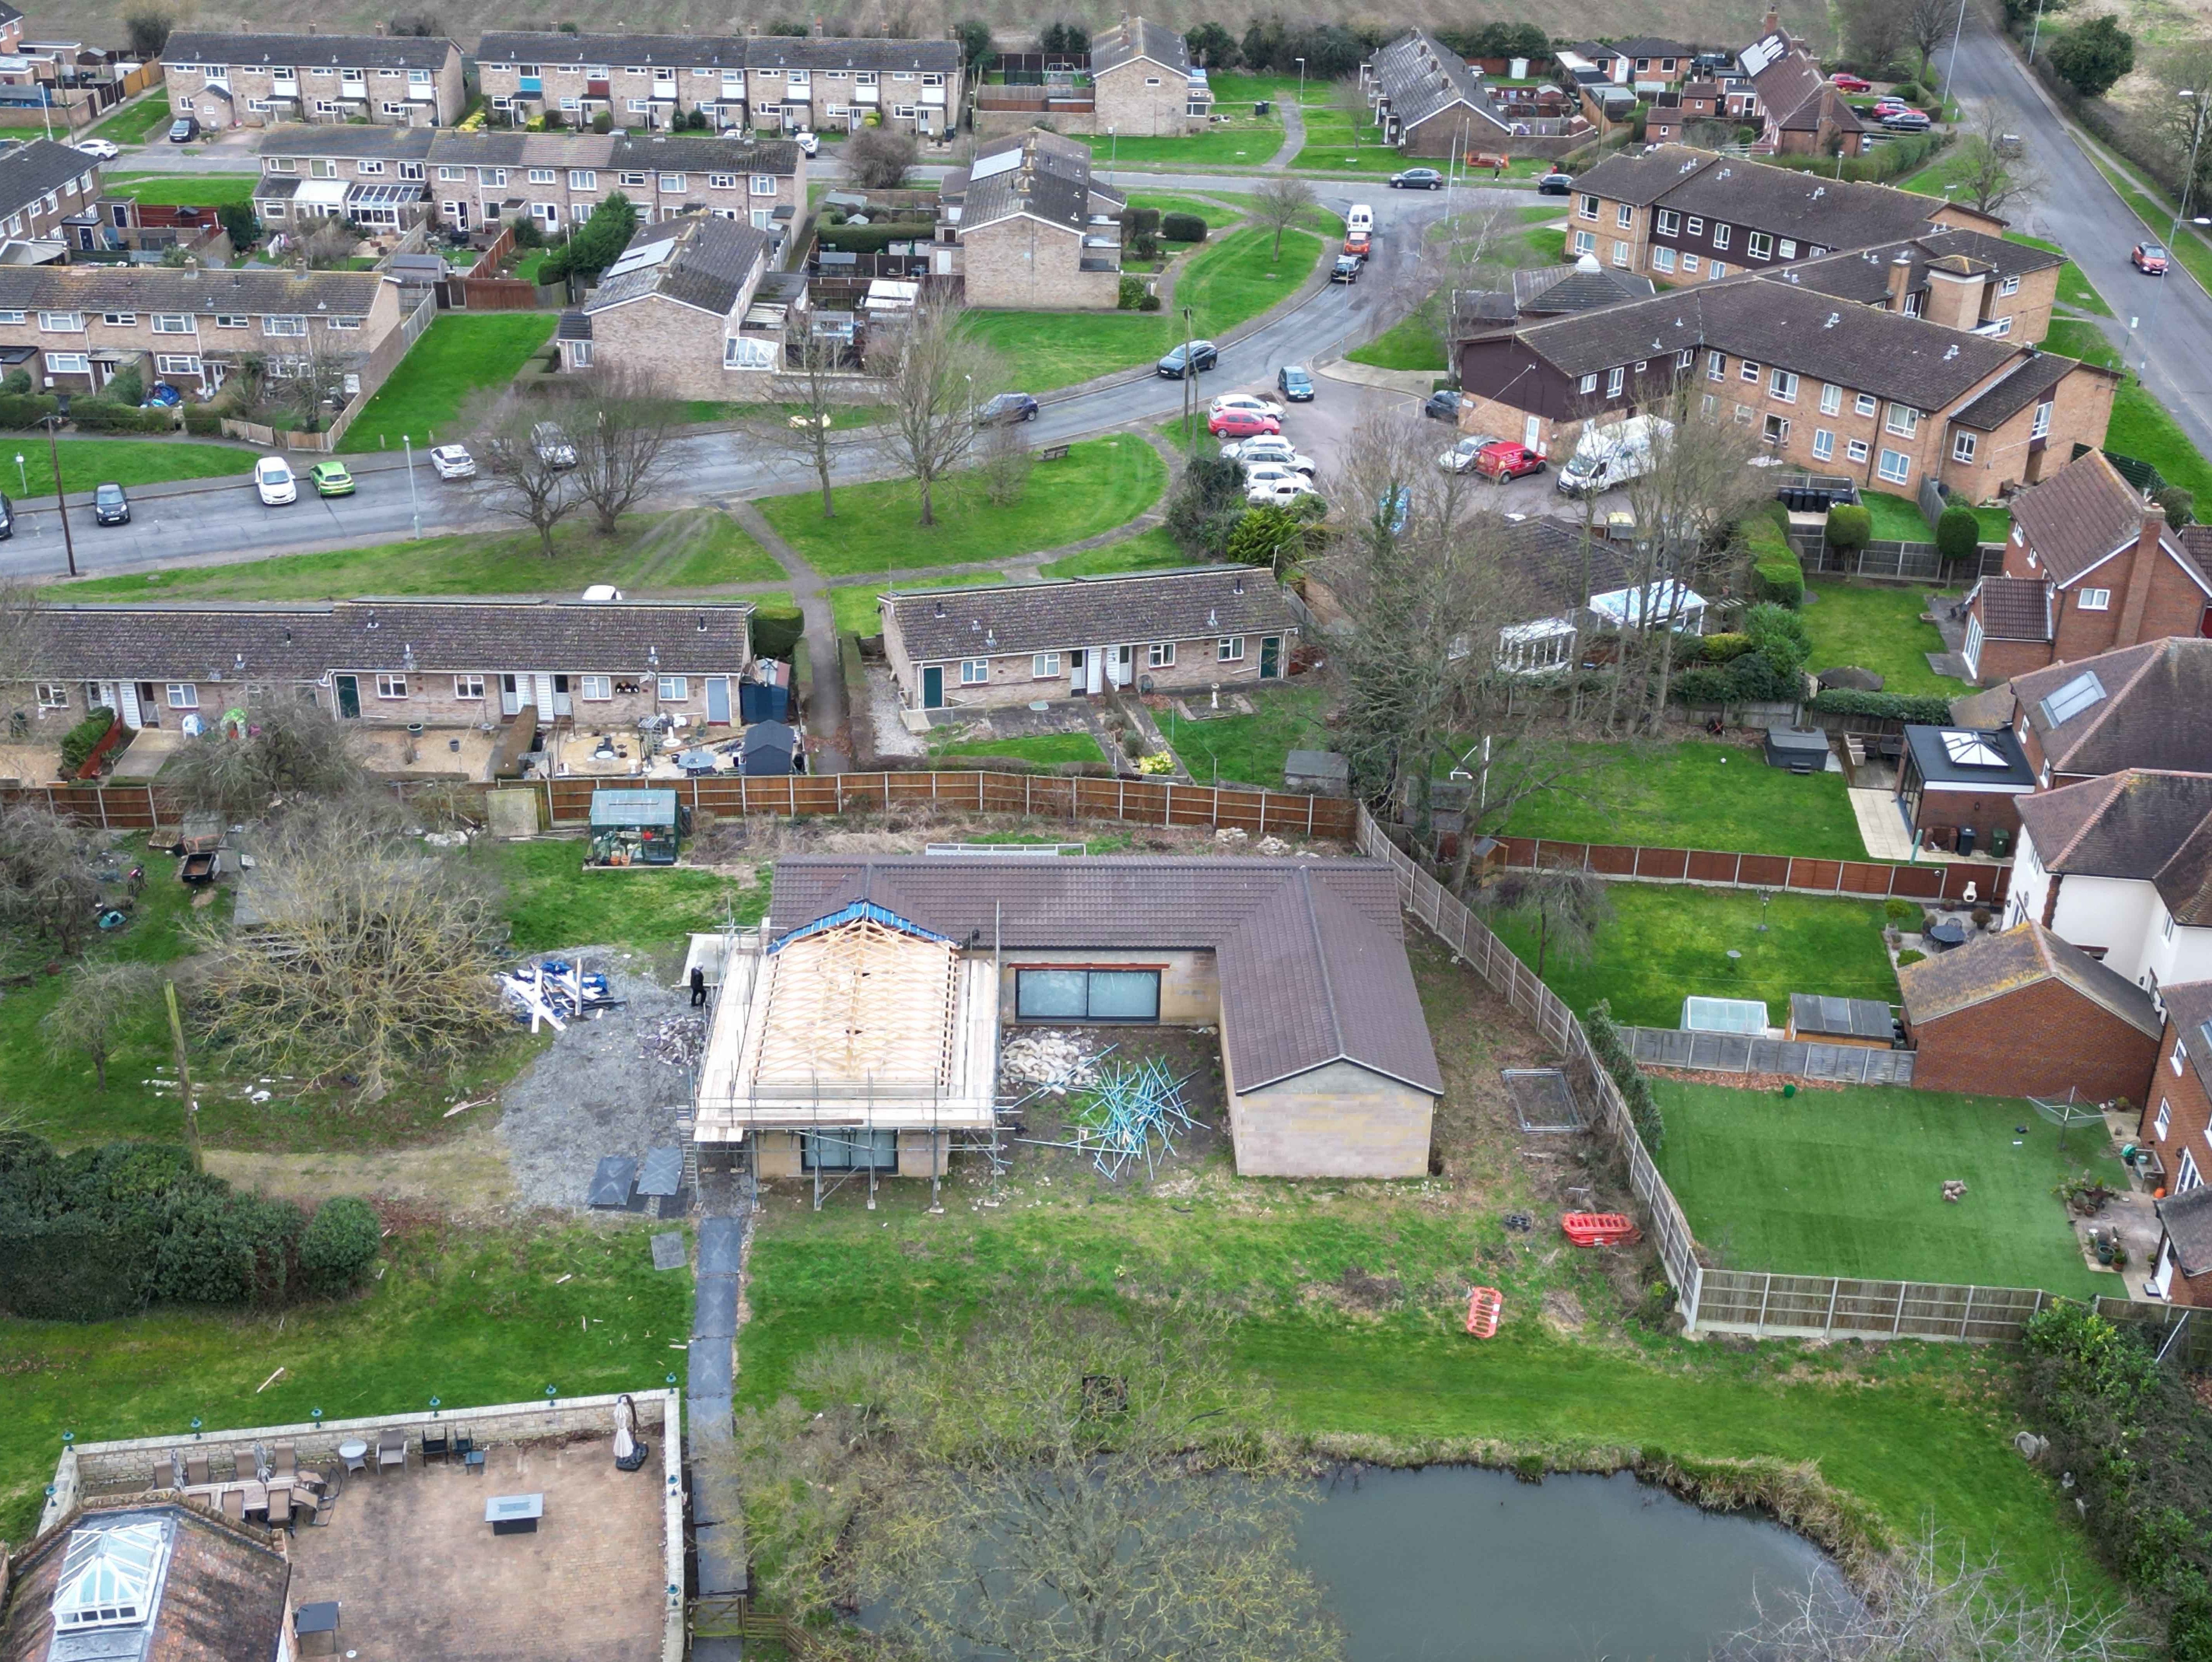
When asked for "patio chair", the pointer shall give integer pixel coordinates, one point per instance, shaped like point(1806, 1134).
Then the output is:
point(316, 1509)
point(437, 1447)
point(280, 1508)
point(195, 1470)
point(240, 1466)
point(392, 1449)
point(287, 1462)
point(233, 1505)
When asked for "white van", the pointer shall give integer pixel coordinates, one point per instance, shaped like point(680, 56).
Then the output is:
point(1611, 455)
point(1359, 221)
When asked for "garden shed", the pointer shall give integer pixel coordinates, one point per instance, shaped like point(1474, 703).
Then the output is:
point(1841, 1020)
point(635, 827)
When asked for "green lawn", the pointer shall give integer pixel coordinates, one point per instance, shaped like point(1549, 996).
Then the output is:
point(183, 190)
point(853, 604)
point(1230, 282)
point(2141, 426)
point(459, 355)
point(1148, 550)
point(474, 1318)
point(145, 114)
point(1251, 750)
point(1245, 141)
point(1898, 518)
point(2072, 338)
point(1415, 342)
point(525, 269)
point(1667, 942)
point(1215, 214)
point(1850, 1183)
point(1100, 483)
point(126, 462)
point(1046, 750)
point(552, 902)
point(1694, 793)
point(694, 549)
point(1879, 628)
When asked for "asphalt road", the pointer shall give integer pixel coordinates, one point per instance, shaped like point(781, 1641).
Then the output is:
point(2078, 209)
point(214, 521)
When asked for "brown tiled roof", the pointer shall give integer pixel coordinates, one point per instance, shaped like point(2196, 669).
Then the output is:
point(1554, 290)
point(1137, 37)
point(1827, 105)
point(2142, 824)
point(1311, 952)
point(2015, 609)
point(395, 52)
point(1823, 213)
point(708, 52)
point(2036, 376)
point(2156, 710)
point(169, 289)
point(2078, 516)
point(939, 625)
point(709, 266)
point(2188, 1220)
point(1642, 180)
point(1991, 966)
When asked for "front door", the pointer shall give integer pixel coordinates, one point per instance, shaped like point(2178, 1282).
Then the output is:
point(718, 700)
point(510, 695)
point(1532, 433)
point(149, 702)
point(932, 686)
point(348, 696)
point(560, 695)
point(2164, 1278)
point(1271, 657)
point(1121, 664)
point(456, 214)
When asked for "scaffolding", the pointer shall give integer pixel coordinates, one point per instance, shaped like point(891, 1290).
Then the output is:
point(1131, 1113)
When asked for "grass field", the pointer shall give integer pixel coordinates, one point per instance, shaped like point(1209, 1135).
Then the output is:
point(1416, 342)
point(552, 902)
point(1047, 750)
point(1215, 214)
point(459, 355)
point(183, 190)
point(1898, 518)
point(853, 604)
point(1849, 1182)
point(1695, 794)
point(1101, 483)
point(1230, 282)
point(126, 462)
point(843, 419)
point(147, 114)
point(1251, 749)
point(1878, 628)
point(1148, 550)
point(694, 549)
point(1666, 944)
point(2141, 426)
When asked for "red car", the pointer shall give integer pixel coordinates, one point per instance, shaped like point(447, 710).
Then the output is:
point(1240, 424)
point(1504, 460)
point(1844, 82)
point(1356, 242)
point(2150, 257)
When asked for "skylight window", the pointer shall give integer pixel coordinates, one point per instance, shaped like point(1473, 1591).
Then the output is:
point(1973, 750)
point(2071, 700)
point(110, 1576)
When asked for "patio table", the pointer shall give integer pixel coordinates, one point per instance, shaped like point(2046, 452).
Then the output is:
point(354, 1453)
point(514, 1514)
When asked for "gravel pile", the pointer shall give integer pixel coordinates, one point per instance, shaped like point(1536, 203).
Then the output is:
point(599, 1088)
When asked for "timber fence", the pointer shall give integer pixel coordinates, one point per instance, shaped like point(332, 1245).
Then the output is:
point(1874, 880)
point(1740, 1053)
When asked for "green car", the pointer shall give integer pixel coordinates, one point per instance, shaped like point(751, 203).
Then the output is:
point(330, 479)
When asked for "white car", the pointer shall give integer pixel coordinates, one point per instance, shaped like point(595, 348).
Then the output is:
point(1245, 401)
point(100, 149)
point(808, 144)
point(273, 479)
point(452, 462)
point(1461, 457)
point(1281, 492)
point(552, 446)
point(1267, 448)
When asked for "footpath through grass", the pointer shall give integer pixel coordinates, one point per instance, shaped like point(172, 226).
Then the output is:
point(459, 355)
point(1099, 484)
point(691, 548)
point(126, 462)
point(1148, 550)
point(1667, 942)
point(1693, 793)
point(1877, 628)
point(1849, 1182)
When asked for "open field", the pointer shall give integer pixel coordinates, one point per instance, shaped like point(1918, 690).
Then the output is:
point(1849, 1182)
point(458, 356)
point(1694, 793)
point(692, 549)
point(1877, 628)
point(126, 462)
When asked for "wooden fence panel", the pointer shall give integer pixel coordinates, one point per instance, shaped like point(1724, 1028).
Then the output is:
point(1763, 870)
point(1819, 875)
point(1662, 864)
point(1706, 866)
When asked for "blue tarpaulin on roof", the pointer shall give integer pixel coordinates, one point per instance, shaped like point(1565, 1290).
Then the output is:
point(858, 911)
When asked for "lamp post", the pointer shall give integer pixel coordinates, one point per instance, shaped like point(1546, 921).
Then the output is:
point(1951, 73)
point(414, 508)
point(2036, 33)
point(2181, 208)
point(61, 501)
point(22, 477)
point(1302, 81)
point(1113, 151)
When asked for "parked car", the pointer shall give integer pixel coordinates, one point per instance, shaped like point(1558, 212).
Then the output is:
point(1461, 457)
point(552, 446)
point(110, 506)
point(7, 518)
point(1281, 492)
point(2151, 257)
point(163, 397)
point(1889, 104)
point(1442, 407)
point(1359, 243)
point(273, 481)
point(1294, 384)
point(1267, 448)
point(1360, 218)
point(330, 479)
point(452, 462)
point(1246, 401)
point(1418, 179)
point(1611, 455)
point(1195, 359)
point(1499, 462)
point(1346, 269)
point(1241, 423)
point(808, 144)
point(1555, 184)
point(100, 149)
point(1907, 121)
point(1844, 82)
point(1007, 406)
point(184, 130)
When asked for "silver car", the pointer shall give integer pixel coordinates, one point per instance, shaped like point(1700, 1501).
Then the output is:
point(452, 462)
point(552, 446)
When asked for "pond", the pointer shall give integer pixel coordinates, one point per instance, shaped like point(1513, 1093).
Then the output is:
point(1468, 1564)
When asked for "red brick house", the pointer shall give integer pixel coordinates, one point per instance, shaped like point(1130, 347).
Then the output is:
point(2145, 706)
point(2177, 1126)
point(2091, 565)
point(2023, 1013)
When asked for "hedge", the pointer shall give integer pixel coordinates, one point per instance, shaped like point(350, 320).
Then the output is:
point(1634, 1090)
point(1850, 525)
point(101, 415)
point(774, 634)
point(1777, 573)
point(26, 410)
point(874, 238)
point(339, 1244)
point(202, 420)
point(77, 743)
point(1182, 227)
point(1924, 710)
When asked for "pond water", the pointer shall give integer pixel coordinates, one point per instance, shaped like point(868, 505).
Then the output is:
point(1463, 1564)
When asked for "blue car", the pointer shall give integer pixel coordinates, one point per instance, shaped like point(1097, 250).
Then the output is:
point(1294, 384)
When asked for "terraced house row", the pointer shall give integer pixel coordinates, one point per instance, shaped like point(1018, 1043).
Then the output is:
point(259, 80)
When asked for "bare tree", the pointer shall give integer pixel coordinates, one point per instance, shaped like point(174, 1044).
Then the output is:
point(621, 421)
point(1350, 97)
point(101, 998)
point(374, 952)
point(1005, 464)
point(1279, 205)
point(802, 412)
point(520, 477)
point(452, 808)
point(1992, 166)
point(23, 635)
point(330, 245)
point(1874, 34)
point(879, 158)
point(933, 375)
point(1473, 252)
point(310, 383)
point(286, 747)
point(2174, 118)
point(1565, 905)
point(47, 888)
point(1927, 24)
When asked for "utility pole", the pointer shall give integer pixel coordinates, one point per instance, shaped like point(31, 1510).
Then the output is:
point(185, 1078)
point(414, 508)
point(61, 500)
point(1189, 395)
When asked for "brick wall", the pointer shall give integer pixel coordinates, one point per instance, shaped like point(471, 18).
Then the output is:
point(680, 345)
point(1996, 811)
point(1338, 1121)
point(1024, 264)
point(2180, 1096)
point(1198, 666)
point(2039, 1041)
point(1124, 102)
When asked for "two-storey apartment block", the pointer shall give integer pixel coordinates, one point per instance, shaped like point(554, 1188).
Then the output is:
point(11, 29)
point(74, 328)
point(1888, 398)
point(1680, 215)
point(259, 80)
point(677, 309)
point(1961, 279)
point(469, 181)
point(770, 84)
point(1033, 230)
point(48, 192)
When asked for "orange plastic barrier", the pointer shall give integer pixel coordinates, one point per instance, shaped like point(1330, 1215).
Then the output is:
point(1484, 1305)
point(1598, 1229)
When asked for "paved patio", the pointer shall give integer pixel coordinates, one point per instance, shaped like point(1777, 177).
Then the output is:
point(419, 1576)
point(1883, 830)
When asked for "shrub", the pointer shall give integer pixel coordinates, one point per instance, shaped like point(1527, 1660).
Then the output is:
point(2092, 56)
point(774, 634)
point(1703, 683)
point(1613, 1053)
point(1909, 957)
point(1778, 575)
point(1133, 290)
point(1899, 910)
point(1150, 303)
point(199, 419)
point(1139, 223)
point(1182, 227)
point(126, 387)
point(1146, 246)
point(106, 415)
point(77, 743)
point(26, 410)
point(16, 383)
point(1849, 526)
point(1958, 532)
point(1720, 648)
point(339, 1244)
point(1925, 710)
point(1910, 91)
point(2179, 503)
point(603, 123)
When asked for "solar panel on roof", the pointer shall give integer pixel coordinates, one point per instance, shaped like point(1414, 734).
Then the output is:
point(991, 167)
point(637, 259)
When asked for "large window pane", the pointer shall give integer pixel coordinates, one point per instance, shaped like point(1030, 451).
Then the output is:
point(1125, 995)
point(1050, 995)
point(849, 1151)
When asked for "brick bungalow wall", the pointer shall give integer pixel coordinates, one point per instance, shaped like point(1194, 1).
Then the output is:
point(680, 345)
point(1198, 666)
point(2037, 1041)
point(1025, 262)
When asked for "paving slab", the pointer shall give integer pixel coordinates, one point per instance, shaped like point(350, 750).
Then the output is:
point(721, 1246)
point(722, 1549)
point(669, 1251)
point(710, 1367)
point(714, 1315)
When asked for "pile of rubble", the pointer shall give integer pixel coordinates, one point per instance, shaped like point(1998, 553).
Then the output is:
point(1046, 1058)
point(678, 1041)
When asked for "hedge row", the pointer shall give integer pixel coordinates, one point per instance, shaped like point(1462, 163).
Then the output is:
point(1921, 709)
point(873, 238)
point(774, 634)
point(1777, 573)
point(77, 743)
point(1634, 1090)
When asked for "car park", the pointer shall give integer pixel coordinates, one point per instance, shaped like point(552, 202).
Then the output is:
point(273, 481)
point(110, 506)
point(552, 446)
point(1241, 423)
point(184, 130)
point(1442, 407)
point(99, 149)
point(1346, 269)
point(1555, 184)
point(1506, 460)
point(1192, 358)
point(1418, 179)
point(1844, 80)
point(1008, 407)
point(1907, 121)
point(1461, 457)
point(1294, 384)
point(1270, 449)
point(330, 479)
point(452, 462)
point(1358, 243)
point(2149, 257)
point(1245, 401)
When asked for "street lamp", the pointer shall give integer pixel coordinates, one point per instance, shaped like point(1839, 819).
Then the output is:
point(22, 477)
point(2181, 208)
point(1301, 81)
point(1951, 74)
point(2036, 33)
point(414, 508)
point(61, 501)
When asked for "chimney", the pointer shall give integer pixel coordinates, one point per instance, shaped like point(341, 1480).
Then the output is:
point(1955, 287)
point(2139, 576)
point(1771, 23)
point(819, 32)
point(1900, 281)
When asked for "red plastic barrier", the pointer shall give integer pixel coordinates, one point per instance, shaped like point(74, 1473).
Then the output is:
point(1485, 1306)
point(1598, 1229)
